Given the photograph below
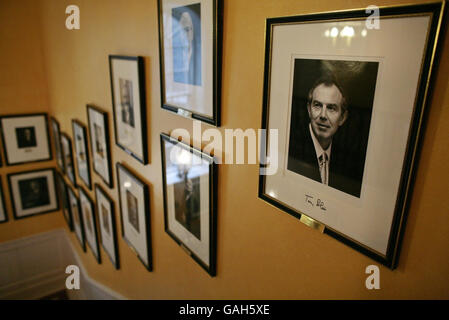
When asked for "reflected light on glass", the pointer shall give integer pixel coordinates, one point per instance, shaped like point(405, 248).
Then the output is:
point(347, 32)
point(364, 33)
point(334, 32)
point(327, 33)
point(184, 157)
point(127, 184)
point(272, 194)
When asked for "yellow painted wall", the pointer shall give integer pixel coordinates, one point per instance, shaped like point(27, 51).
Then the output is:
point(263, 253)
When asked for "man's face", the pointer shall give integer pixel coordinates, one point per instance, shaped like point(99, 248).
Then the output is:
point(325, 112)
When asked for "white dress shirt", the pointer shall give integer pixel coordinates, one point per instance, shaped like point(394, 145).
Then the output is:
point(324, 167)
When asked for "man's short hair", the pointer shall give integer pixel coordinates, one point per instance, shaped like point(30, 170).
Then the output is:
point(328, 81)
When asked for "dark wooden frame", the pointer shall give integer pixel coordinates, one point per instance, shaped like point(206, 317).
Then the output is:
point(98, 188)
point(143, 108)
point(14, 209)
point(53, 120)
point(213, 187)
point(108, 144)
point(64, 200)
point(146, 195)
point(86, 147)
point(80, 217)
point(2, 196)
point(94, 222)
point(50, 153)
point(217, 66)
point(422, 105)
point(69, 142)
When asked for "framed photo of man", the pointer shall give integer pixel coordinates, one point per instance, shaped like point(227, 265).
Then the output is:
point(129, 105)
point(190, 34)
point(106, 214)
point(33, 192)
point(135, 214)
point(99, 143)
point(82, 152)
point(61, 186)
point(77, 217)
point(347, 108)
point(3, 215)
point(66, 144)
point(25, 138)
point(190, 200)
point(56, 134)
point(89, 223)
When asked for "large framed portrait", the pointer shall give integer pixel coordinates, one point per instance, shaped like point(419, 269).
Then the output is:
point(3, 215)
point(190, 200)
point(69, 167)
point(61, 187)
point(135, 214)
point(99, 143)
point(25, 138)
point(190, 35)
point(82, 152)
point(106, 214)
point(33, 193)
point(77, 217)
point(89, 223)
point(129, 105)
point(348, 108)
point(56, 134)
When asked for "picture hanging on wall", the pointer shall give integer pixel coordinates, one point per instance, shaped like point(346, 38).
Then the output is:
point(189, 185)
point(66, 144)
point(190, 51)
point(348, 107)
point(135, 214)
point(62, 193)
point(56, 133)
point(129, 105)
point(25, 138)
point(3, 215)
point(106, 214)
point(77, 217)
point(82, 152)
point(33, 193)
point(89, 223)
point(99, 143)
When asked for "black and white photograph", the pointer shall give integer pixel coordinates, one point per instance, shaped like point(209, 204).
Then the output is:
point(99, 143)
point(135, 214)
point(90, 223)
point(75, 212)
point(33, 192)
point(106, 213)
point(190, 41)
point(25, 138)
point(129, 105)
point(66, 145)
point(347, 120)
point(82, 152)
point(3, 215)
point(62, 193)
point(56, 133)
point(190, 178)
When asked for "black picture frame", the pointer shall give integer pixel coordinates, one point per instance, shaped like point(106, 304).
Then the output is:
point(78, 126)
point(182, 227)
point(216, 31)
point(2, 203)
point(418, 108)
point(113, 226)
point(91, 217)
point(140, 114)
point(48, 201)
point(67, 152)
point(144, 189)
point(56, 134)
point(78, 224)
point(106, 176)
point(42, 139)
point(61, 186)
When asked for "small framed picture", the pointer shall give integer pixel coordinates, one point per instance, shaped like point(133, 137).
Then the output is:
point(33, 192)
point(190, 51)
point(128, 100)
point(189, 185)
point(77, 217)
point(56, 133)
point(66, 144)
point(135, 214)
point(99, 143)
point(25, 138)
point(82, 152)
point(61, 186)
point(106, 213)
point(3, 215)
point(89, 223)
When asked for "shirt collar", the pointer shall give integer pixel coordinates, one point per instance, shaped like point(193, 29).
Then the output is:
point(318, 149)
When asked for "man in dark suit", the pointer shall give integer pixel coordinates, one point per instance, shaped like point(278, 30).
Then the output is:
point(314, 152)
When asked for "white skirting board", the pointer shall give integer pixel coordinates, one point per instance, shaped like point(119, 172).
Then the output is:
point(34, 267)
